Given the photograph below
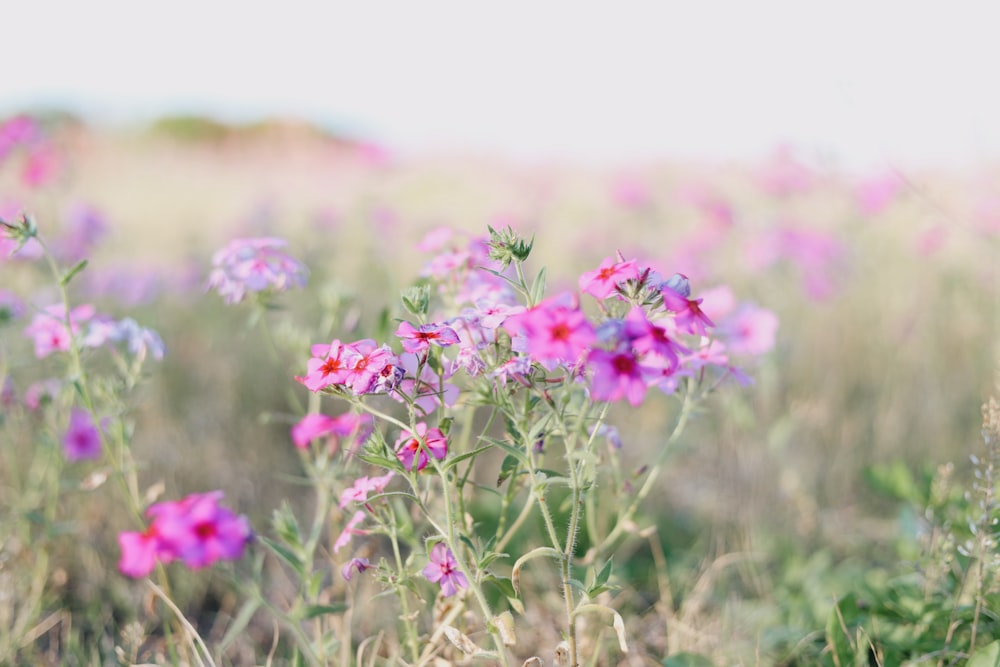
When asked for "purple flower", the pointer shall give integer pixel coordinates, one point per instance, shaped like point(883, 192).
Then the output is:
point(443, 570)
point(358, 565)
point(82, 439)
point(254, 265)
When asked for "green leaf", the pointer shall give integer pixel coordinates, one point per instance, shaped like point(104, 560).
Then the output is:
point(897, 481)
point(538, 287)
point(986, 656)
point(314, 610)
point(451, 463)
point(77, 268)
point(284, 553)
point(507, 468)
point(840, 629)
point(505, 585)
point(239, 623)
point(605, 574)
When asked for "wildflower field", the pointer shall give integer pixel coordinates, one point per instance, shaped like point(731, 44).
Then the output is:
point(272, 397)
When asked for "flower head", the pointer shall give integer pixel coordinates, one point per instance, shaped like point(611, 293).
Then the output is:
point(412, 448)
point(555, 331)
point(254, 265)
point(602, 282)
point(419, 339)
point(195, 530)
point(443, 569)
point(82, 439)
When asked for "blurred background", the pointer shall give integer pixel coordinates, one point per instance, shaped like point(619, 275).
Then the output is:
point(834, 163)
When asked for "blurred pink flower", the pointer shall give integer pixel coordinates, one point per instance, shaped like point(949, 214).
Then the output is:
point(749, 330)
point(48, 328)
point(443, 569)
point(315, 425)
point(602, 281)
point(350, 530)
point(358, 492)
point(196, 530)
point(254, 265)
point(41, 166)
point(874, 194)
point(631, 192)
point(82, 439)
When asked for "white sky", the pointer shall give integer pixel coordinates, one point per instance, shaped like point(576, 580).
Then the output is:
point(867, 82)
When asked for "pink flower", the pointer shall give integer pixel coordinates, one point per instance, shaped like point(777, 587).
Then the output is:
point(363, 486)
point(419, 339)
point(410, 447)
point(195, 530)
point(443, 570)
point(358, 565)
point(314, 425)
point(749, 330)
point(49, 331)
point(649, 338)
point(41, 393)
point(876, 193)
point(711, 353)
point(349, 531)
point(617, 375)
point(82, 439)
point(556, 331)
point(366, 364)
point(328, 365)
point(254, 265)
point(139, 552)
point(687, 312)
point(602, 282)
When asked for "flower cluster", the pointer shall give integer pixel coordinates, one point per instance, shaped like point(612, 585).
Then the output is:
point(254, 265)
point(195, 530)
point(52, 330)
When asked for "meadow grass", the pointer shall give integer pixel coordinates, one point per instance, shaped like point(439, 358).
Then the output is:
point(826, 481)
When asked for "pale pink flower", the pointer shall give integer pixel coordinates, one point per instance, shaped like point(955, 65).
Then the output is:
point(443, 569)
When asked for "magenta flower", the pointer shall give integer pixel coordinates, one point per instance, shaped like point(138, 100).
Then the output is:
point(195, 530)
point(649, 338)
point(555, 331)
point(254, 265)
point(410, 447)
point(617, 375)
point(358, 493)
point(443, 570)
point(82, 439)
point(198, 531)
point(602, 282)
point(358, 565)
point(139, 552)
point(419, 339)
